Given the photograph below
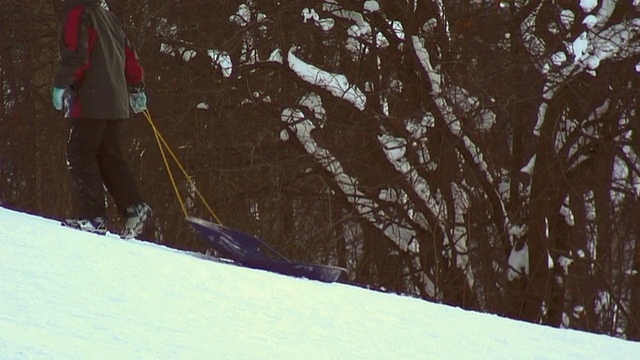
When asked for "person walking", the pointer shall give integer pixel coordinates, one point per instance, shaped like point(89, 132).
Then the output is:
point(99, 77)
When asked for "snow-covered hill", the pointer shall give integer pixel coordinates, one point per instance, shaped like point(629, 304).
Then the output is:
point(66, 294)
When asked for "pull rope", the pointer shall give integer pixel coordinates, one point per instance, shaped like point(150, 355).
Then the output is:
point(162, 145)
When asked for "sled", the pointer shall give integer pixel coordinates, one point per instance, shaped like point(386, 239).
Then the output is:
point(251, 252)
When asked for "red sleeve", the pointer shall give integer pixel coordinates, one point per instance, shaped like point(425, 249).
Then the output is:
point(71, 32)
point(77, 42)
point(133, 70)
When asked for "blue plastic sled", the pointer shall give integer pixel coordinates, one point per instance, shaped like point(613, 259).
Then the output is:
point(254, 253)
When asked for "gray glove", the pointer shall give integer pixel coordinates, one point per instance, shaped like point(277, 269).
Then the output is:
point(137, 99)
point(62, 99)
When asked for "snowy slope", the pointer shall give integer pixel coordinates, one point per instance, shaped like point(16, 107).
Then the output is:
point(65, 294)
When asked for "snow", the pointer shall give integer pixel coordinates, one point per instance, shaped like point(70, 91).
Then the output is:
point(593, 62)
point(337, 84)
point(588, 5)
point(242, 16)
point(566, 212)
point(371, 6)
point(310, 15)
point(567, 17)
point(518, 263)
point(313, 102)
point(430, 26)
point(395, 150)
point(222, 60)
point(326, 24)
point(276, 56)
point(528, 169)
point(590, 21)
point(579, 46)
point(558, 58)
point(423, 56)
point(68, 295)
point(564, 262)
point(360, 30)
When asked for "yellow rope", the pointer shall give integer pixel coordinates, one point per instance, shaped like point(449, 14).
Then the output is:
point(173, 181)
point(160, 140)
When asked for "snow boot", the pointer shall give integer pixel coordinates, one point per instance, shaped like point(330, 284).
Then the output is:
point(137, 215)
point(97, 225)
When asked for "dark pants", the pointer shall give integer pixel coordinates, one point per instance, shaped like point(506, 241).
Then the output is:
point(95, 160)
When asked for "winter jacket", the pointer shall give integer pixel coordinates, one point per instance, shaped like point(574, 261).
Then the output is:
point(97, 62)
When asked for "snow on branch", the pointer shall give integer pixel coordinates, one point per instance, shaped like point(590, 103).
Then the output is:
point(618, 41)
point(586, 132)
point(335, 9)
point(586, 51)
point(436, 80)
point(222, 60)
point(435, 77)
point(367, 207)
point(402, 236)
point(337, 84)
point(604, 13)
point(632, 161)
point(423, 56)
point(186, 50)
point(395, 149)
point(627, 164)
point(531, 41)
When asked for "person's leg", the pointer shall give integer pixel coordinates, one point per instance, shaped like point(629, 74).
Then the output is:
point(85, 137)
point(115, 170)
point(121, 183)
